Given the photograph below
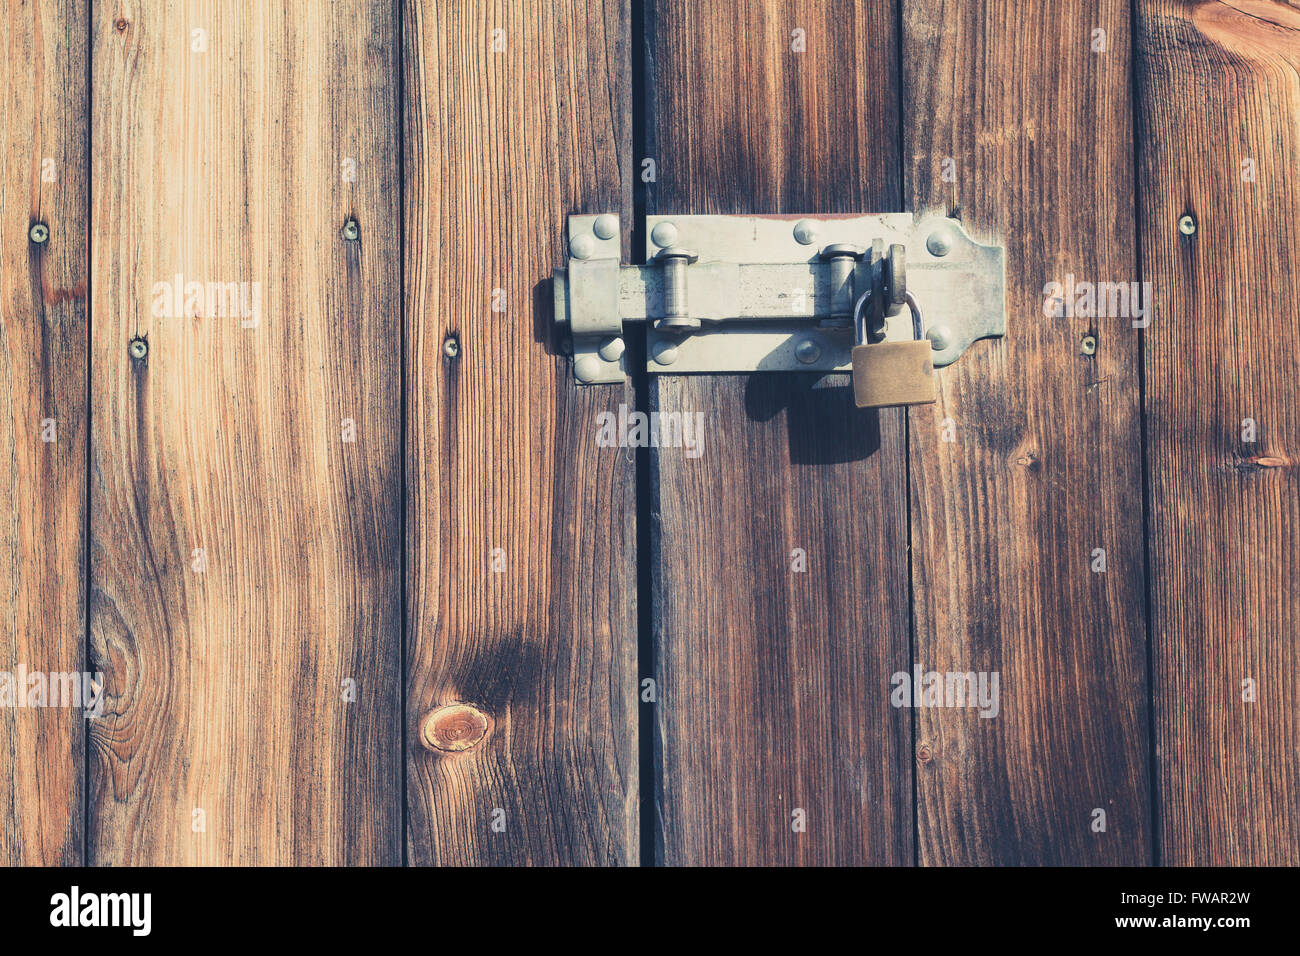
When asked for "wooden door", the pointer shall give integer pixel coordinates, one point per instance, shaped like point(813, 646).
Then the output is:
point(296, 468)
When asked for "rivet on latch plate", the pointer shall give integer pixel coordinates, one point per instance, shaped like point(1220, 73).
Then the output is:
point(807, 351)
point(940, 337)
point(581, 247)
point(939, 243)
point(665, 352)
point(664, 234)
point(605, 226)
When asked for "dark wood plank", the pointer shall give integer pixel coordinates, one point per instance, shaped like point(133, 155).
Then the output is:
point(501, 453)
point(1045, 465)
point(43, 98)
point(1219, 87)
point(774, 683)
point(222, 156)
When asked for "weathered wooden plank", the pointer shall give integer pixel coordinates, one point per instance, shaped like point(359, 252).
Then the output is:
point(1219, 106)
point(521, 584)
point(1044, 463)
point(246, 542)
point(42, 425)
point(774, 693)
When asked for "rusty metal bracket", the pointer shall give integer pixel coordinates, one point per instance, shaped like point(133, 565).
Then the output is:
point(772, 293)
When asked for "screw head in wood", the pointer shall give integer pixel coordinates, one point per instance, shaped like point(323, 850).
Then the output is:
point(605, 226)
point(450, 347)
point(138, 348)
point(454, 729)
point(1187, 224)
point(1089, 345)
point(352, 230)
point(39, 232)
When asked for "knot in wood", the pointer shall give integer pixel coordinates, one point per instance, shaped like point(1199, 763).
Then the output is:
point(455, 728)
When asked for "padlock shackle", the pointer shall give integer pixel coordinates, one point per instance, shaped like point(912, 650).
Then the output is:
point(918, 324)
point(860, 317)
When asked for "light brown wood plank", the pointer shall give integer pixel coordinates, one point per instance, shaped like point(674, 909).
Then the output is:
point(1045, 465)
point(225, 686)
point(502, 465)
point(1220, 85)
point(774, 684)
point(43, 363)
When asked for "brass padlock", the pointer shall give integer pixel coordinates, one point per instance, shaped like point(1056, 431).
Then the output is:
point(891, 373)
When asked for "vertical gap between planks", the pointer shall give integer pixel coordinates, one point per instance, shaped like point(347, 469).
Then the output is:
point(403, 718)
point(635, 356)
point(87, 556)
point(1153, 772)
point(899, 77)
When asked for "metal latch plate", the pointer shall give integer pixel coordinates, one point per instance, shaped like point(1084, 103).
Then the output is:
point(761, 294)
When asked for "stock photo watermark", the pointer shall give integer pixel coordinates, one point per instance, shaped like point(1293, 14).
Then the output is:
point(976, 689)
point(130, 910)
point(179, 299)
point(630, 429)
point(21, 689)
point(1098, 300)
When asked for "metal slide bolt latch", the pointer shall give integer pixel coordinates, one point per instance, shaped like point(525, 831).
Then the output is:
point(772, 293)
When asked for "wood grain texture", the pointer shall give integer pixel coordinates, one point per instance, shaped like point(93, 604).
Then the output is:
point(1046, 463)
point(220, 157)
point(521, 575)
point(774, 684)
point(1220, 85)
point(43, 342)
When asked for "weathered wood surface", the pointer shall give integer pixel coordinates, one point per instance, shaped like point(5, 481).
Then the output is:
point(774, 683)
point(43, 424)
point(247, 558)
point(1045, 464)
point(521, 574)
point(1219, 110)
point(222, 156)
